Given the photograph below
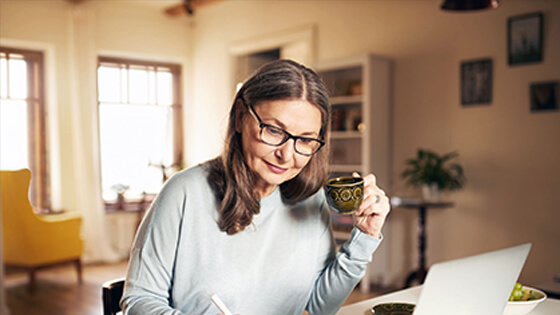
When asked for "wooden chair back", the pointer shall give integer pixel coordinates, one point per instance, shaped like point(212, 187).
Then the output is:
point(111, 296)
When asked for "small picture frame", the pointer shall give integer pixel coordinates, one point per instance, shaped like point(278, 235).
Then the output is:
point(525, 38)
point(476, 82)
point(544, 96)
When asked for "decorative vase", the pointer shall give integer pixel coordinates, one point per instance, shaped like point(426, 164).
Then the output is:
point(430, 193)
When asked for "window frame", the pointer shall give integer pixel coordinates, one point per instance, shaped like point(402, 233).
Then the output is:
point(37, 127)
point(177, 106)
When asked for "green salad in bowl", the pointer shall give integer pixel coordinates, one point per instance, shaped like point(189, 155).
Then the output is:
point(523, 299)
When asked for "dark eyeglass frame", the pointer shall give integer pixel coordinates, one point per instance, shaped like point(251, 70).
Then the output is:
point(288, 135)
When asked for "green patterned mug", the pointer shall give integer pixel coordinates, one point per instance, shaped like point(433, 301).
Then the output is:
point(344, 194)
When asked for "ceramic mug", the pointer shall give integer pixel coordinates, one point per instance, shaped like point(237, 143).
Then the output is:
point(344, 194)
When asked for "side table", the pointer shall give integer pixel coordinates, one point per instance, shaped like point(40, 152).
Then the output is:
point(422, 207)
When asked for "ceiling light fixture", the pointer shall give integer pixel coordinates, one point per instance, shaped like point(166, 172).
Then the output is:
point(469, 5)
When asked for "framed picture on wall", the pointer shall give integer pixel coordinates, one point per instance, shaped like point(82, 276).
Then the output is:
point(476, 82)
point(525, 39)
point(544, 96)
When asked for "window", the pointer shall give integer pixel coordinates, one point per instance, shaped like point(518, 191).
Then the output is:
point(22, 119)
point(139, 125)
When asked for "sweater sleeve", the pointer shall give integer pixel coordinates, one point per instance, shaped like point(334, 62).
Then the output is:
point(150, 269)
point(341, 274)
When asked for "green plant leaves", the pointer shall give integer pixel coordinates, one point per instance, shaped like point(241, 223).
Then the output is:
point(428, 167)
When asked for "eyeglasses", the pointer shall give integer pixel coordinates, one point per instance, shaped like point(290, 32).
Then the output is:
point(276, 136)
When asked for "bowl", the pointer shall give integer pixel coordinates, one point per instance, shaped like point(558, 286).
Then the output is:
point(524, 307)
point(344, 194)
point(393, 309)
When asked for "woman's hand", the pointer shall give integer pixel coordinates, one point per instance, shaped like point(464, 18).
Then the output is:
point(373, 211)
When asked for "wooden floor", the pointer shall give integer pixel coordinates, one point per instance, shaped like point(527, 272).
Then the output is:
point(58, 292)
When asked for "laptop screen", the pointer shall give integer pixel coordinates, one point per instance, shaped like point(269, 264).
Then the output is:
point(478, 284)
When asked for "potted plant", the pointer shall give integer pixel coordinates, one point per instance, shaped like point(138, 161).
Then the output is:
point(434, 173)
point(120, 189)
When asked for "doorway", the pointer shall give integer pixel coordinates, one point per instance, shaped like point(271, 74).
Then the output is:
point(248, 64)
point(248, 55)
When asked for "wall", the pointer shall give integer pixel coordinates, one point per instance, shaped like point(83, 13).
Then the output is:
point(510, 155)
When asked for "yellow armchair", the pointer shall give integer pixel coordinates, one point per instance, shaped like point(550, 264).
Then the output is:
point(33, 241)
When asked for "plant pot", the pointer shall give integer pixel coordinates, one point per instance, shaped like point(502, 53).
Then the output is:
point(120, 200)
point(430, 193)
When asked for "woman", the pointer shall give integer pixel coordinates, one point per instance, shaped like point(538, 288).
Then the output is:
point(252, 226)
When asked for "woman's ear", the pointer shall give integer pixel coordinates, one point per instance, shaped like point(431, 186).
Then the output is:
point(239, 112)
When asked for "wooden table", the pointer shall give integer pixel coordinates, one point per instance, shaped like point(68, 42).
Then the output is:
point(411, 295)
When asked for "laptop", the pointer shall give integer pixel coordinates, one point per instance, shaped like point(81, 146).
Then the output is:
point(474, 285)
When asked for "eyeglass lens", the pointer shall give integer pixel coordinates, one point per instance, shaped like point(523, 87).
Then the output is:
point(276, 136)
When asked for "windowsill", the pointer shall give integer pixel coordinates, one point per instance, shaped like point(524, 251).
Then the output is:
point(131, 205)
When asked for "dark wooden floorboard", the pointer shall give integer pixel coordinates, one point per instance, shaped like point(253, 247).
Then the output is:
point(57, 290)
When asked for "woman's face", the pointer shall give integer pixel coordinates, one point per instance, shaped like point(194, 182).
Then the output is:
point(274, 165)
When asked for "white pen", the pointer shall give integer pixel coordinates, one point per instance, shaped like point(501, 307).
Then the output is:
point(220, 304)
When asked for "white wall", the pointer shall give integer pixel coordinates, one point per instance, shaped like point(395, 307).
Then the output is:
point(510, 155)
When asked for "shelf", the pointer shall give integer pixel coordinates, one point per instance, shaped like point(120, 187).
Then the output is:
point(360, 107)
point(346, 100)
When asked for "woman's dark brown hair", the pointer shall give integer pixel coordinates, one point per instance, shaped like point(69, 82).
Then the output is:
point(229, 175)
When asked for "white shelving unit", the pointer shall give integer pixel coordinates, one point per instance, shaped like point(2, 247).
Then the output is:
point(360, 89)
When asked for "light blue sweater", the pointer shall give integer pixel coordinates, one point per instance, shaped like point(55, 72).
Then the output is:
point(284, 263)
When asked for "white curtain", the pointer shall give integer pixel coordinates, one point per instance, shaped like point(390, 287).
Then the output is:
point(83, 67)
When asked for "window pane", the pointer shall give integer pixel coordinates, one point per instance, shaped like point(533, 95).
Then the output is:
point(13, 135)
point(165, 88)
point(22, 142)
point(153, 86)
point(136, 133)
point(133, 138)
point(109, 84)
point(3, 76)
point(167, 146)
point(138, 86)
point(18, 78)
point(124, 85)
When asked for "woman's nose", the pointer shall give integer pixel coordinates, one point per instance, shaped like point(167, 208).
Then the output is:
point(286, 151)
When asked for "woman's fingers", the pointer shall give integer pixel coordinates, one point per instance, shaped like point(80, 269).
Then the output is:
point(371, 214)
point(373, 203)
point(372, 195)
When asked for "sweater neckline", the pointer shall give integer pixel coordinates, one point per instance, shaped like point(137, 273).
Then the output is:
point(272, 197)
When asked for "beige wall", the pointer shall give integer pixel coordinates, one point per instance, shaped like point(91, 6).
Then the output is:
point(510, 155)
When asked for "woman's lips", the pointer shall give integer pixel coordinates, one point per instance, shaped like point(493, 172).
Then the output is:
point(275, 169)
